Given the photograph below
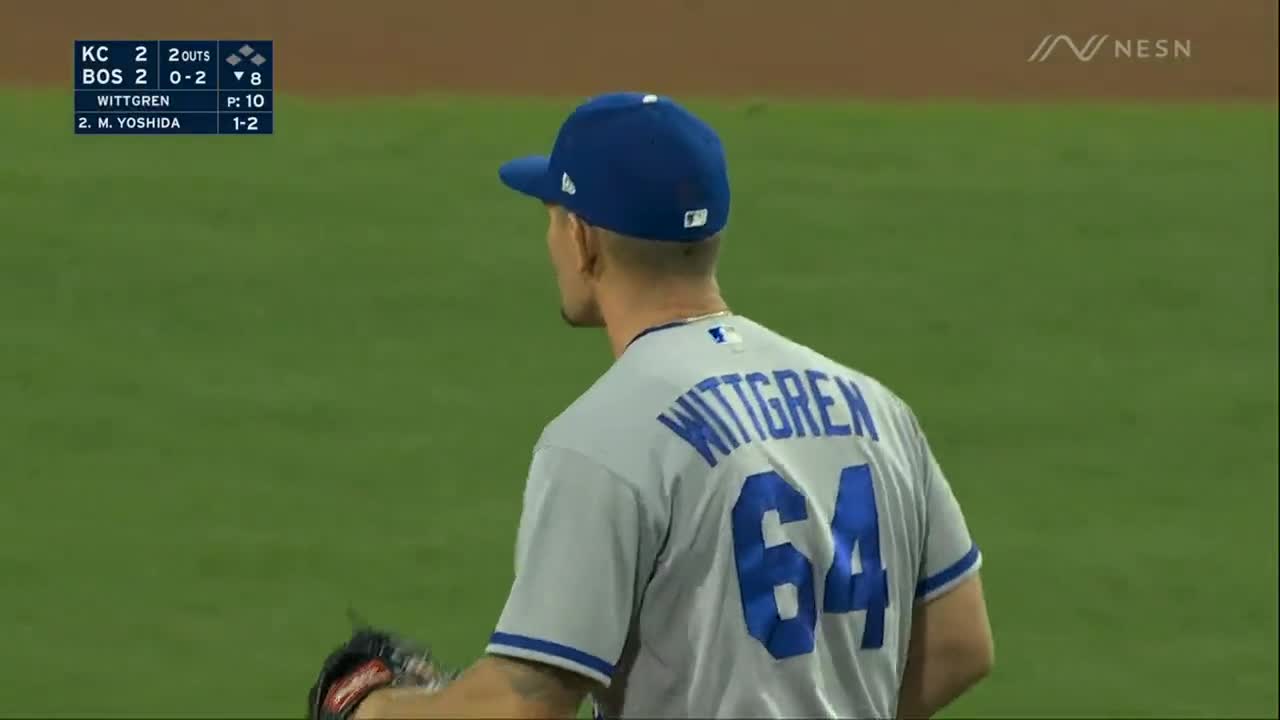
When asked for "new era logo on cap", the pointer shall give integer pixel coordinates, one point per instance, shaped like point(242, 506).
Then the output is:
point(647, 167)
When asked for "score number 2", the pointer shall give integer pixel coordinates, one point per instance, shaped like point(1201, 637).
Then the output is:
point(761, 569)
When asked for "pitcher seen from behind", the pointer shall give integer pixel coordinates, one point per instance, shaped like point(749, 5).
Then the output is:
point(727, 523)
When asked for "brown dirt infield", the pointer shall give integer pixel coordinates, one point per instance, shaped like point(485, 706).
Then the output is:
point(821, 48)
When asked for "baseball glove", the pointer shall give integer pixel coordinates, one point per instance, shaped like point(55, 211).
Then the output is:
point(371, 660)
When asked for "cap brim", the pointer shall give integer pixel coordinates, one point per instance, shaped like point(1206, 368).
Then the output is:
point(528, 175)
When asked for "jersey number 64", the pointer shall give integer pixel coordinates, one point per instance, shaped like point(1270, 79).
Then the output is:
point(762, 568)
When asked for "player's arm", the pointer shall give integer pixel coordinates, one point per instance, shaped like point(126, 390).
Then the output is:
point(951, 647)
point(584, 549)
point(951, 650)
point(494, 687)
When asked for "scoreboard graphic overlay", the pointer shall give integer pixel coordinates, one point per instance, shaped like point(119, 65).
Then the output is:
point(174, 87)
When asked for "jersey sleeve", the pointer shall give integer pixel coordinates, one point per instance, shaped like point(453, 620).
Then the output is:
point(583, 551)
point(950, 554)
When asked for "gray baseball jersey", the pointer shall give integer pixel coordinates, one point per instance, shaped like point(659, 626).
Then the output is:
point(727, 524)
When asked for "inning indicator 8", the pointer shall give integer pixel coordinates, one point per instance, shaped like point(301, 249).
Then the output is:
point(174, 87)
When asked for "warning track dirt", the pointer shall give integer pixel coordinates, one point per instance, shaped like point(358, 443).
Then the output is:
point(1167, 50)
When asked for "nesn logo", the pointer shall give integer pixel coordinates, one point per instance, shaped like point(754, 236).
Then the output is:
point(724, 335)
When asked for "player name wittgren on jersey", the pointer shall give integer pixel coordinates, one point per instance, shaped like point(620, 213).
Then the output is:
point(718, 414)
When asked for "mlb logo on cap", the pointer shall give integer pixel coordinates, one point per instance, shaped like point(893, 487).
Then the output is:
point(637, 164)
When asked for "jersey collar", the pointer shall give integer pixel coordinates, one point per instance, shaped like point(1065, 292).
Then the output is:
point(677, 323)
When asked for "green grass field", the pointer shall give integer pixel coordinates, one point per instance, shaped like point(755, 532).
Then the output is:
point(245, 382)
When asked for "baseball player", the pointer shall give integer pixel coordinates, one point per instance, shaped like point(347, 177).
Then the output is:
point(727, 523)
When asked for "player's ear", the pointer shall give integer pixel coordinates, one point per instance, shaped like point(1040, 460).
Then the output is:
point(586, 244)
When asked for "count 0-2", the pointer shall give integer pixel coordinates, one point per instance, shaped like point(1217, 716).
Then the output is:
point(199, 78)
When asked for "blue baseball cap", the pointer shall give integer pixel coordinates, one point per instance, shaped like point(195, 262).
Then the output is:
point(636, 164)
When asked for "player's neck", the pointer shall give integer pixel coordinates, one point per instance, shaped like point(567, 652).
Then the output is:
point(627, 315)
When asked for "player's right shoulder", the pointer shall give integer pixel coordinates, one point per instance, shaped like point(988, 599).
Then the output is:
point(895, 412)
point(889, 407)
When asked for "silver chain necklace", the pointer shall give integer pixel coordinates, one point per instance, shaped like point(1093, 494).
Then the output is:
point(708, 316)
